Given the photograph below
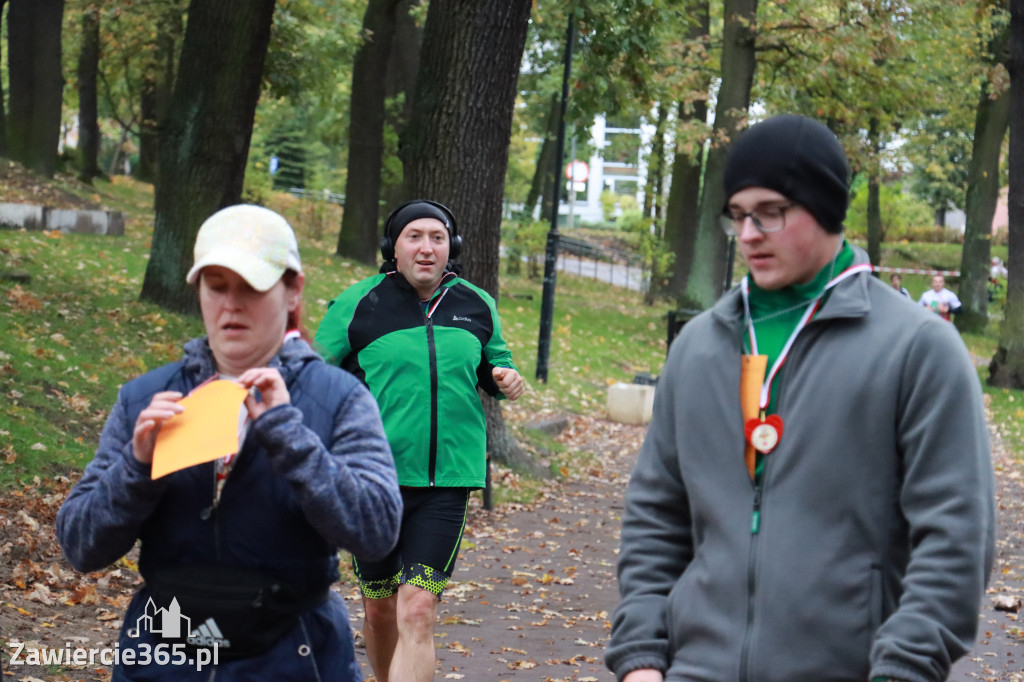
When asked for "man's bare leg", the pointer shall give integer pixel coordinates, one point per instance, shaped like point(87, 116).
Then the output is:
point(380, 631)
point(415, 659)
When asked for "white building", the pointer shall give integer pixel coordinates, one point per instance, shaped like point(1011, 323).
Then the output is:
point(621, 168)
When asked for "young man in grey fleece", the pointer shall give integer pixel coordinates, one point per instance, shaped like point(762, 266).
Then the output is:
point(813, 501)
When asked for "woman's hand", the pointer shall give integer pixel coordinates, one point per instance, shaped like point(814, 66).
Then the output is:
point(273, 391)
point(162, 407)
point(509, 382)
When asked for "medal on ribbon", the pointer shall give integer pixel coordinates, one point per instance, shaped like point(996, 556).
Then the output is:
point(764, 432)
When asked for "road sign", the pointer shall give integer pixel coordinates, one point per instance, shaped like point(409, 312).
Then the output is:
point(577, 170)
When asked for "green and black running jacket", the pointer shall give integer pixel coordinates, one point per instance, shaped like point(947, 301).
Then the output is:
point(423, 363)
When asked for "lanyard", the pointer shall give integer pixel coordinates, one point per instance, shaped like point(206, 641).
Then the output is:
point(812, 307)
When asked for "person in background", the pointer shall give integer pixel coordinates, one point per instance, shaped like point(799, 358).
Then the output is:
point(814, 498)
point(997, 275)
point(896, 281)
point(940, 300)
point(424, 340)
point(245, 547)
point(998, 270)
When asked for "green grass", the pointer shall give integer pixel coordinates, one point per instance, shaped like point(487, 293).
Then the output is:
point(1007, 409)
point(600, 335)
point(77, 331)
point(73, 334)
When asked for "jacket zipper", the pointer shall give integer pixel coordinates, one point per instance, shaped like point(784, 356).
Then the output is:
point(755, 527)
point(435, 300)
point(755, 530)
point(213, 517)
point(432, 351)
point(755, 518)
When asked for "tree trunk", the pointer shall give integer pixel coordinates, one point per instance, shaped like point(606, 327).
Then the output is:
point(982, 195)
point(658, 207)
point(543, 178)
point(88, 122)
point(652, 204)
point(457, 142)
point(682, 212)
point(36, 83)
point(403, 66)
point(149, 131)
point(501, 446)
point(404, 59)
point(3, 116)
point(707, 271)
point(157, 81)
point(656, 166)
point(359, 237)
point(1007, 366)
point(875, 235)
point(874, 219)
point(205, 142)
point(116, 160)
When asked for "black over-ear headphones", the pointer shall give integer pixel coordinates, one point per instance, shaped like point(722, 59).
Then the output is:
point(420, 208)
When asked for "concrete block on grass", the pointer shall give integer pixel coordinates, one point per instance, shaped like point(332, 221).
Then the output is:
point(77, 221)
point(630, 403)
point(22, 215)
point(109, 223)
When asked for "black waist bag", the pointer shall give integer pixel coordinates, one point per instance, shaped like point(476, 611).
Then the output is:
point(241, 611)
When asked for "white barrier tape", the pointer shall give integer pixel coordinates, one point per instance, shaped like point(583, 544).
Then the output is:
point(912, 271)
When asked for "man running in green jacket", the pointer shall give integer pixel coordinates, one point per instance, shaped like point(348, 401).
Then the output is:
point(423, 340)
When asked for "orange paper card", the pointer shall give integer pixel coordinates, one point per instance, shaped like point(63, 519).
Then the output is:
point(205, 431)
point(751, 379)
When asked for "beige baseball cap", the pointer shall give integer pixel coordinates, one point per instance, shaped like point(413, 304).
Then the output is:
point(252, 241)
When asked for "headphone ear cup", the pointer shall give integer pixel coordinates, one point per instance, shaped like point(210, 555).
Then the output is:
point(454, 246)
point(387, 249)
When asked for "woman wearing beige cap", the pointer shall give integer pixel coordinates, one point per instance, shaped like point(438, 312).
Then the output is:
point(238, 554)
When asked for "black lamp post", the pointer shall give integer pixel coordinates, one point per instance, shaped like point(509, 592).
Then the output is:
point(547, 305)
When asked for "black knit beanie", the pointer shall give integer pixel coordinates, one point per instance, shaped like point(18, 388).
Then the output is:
point(798, 158)
point(414, 210)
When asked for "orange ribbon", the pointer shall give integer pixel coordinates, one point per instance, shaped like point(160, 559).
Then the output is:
point(752, 371)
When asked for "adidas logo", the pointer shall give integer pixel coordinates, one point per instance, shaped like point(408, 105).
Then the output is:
point(456, 318)
point(208, 634)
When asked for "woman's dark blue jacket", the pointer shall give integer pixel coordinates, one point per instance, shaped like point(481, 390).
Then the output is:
point(312, 477)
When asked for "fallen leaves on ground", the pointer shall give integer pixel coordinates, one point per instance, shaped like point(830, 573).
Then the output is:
point(530, 599)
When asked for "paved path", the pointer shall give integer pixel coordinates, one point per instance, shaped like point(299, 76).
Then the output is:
point(630, 277)
point(999, 651)
point(534, 589)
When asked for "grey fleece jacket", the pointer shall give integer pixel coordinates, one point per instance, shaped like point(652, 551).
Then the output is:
point(877, 514)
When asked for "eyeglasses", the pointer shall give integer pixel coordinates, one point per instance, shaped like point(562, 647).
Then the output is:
point(767, 219)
